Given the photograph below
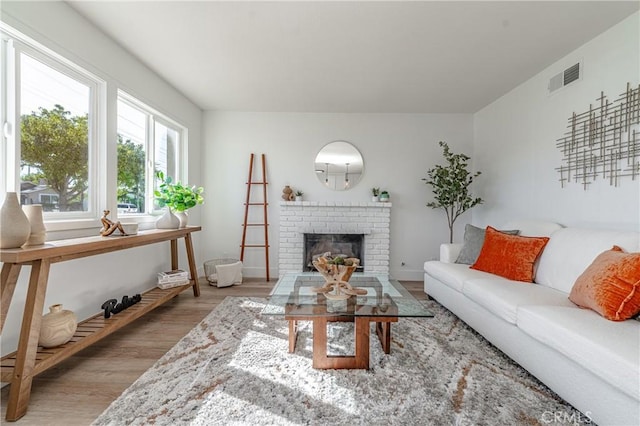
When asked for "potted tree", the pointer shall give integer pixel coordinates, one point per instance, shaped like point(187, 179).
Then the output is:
point(451, 184)
point(177, 198)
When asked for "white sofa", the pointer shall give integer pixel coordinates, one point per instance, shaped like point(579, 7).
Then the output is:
point(591, 362)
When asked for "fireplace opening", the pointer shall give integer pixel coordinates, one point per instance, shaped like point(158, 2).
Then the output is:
point(342, 245)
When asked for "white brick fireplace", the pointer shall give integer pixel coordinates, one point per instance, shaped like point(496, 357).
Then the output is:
point(313, 217)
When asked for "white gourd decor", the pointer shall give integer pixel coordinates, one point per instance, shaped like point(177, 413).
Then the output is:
point(38, 231)
point(168, 220)
point(57, 327)
point(14, 225)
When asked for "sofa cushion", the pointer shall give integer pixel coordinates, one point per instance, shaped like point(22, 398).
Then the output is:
point(533, 228)
point(473, 241)
point(571, 250)
point(502, 297)
point(610, 286)
point(449, 252)
point(610, 350)
point(452, 274)
point(509, 256)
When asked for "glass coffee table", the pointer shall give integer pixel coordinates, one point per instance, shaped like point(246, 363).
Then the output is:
point(385, 302)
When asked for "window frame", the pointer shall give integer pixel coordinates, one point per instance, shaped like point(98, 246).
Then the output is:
point(14, 45)
point(153, 116)
point(103, 129)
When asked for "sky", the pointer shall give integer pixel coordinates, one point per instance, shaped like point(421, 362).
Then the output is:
point(43, 86)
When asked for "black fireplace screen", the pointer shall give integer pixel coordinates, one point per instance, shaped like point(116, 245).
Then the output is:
point(342, 245)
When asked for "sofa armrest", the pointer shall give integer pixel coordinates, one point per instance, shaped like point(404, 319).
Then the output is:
point(449, 252)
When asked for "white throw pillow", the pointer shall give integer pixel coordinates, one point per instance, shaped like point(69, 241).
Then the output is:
point(229, 274)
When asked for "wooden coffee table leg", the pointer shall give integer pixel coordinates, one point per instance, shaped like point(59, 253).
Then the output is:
point(362, 343)
point(323, 361)
point(293, 335)
point(320, 343)
point(383, 330)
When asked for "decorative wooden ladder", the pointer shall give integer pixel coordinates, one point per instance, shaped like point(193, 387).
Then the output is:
point(248, 203)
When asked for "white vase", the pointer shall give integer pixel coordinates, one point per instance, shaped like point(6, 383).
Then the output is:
point(38, 231)
point(168, 220)
point(57, 327)
point(183, 217)
point(375, 199)
point(14, 225)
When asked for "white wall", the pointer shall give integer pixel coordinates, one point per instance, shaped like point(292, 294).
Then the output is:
point(515, 137)
point(397, 149)
point(83, 285)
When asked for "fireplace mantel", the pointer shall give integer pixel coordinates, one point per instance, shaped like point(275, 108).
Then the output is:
point(335, 204)
point(334, 217)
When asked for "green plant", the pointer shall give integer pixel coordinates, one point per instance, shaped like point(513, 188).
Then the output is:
point(375, 191)
point(384, 194)
point(451, 184)
point(176, 196)
point(299, 193)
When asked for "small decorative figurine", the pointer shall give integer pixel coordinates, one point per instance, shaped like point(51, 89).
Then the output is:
point(109, 226)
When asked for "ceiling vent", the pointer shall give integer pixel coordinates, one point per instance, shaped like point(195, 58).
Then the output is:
point(566, 77)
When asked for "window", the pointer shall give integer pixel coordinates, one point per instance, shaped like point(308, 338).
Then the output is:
point(148, 142)
point(51, 107)
point(57, 144)
point(54, 133)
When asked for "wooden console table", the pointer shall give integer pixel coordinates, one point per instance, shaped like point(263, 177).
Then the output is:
point(20, 367)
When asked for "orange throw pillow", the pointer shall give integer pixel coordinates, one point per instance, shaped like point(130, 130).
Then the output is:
point(610, 285)
point(510, 256)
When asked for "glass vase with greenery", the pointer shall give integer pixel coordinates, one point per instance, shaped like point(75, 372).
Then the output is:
point(451, 184)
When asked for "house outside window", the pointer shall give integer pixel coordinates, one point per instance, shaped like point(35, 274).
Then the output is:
point(41, 193)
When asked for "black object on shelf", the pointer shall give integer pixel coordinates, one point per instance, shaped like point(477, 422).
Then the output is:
point(112, 306)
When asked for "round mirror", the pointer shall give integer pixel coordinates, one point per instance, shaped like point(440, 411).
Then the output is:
point(339, 165)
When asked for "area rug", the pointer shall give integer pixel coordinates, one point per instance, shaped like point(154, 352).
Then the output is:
point(234, 369)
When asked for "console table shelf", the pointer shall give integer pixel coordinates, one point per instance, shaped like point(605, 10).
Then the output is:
point(91, 330)
point(20, 367)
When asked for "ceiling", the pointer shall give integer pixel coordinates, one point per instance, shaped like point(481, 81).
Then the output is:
point(368, 57)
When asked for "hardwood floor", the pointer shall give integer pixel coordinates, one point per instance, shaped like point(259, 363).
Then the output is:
point(80, 388)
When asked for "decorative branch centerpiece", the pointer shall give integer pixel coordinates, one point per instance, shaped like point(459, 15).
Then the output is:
point(336, 272)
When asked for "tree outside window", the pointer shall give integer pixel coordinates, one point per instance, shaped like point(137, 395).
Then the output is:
point(55, 150)
point(55, 106)
point(131, 173)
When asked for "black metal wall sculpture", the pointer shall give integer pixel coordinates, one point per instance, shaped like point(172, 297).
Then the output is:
point(603, 142)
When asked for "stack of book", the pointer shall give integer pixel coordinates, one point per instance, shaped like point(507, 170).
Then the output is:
point(172, 279)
